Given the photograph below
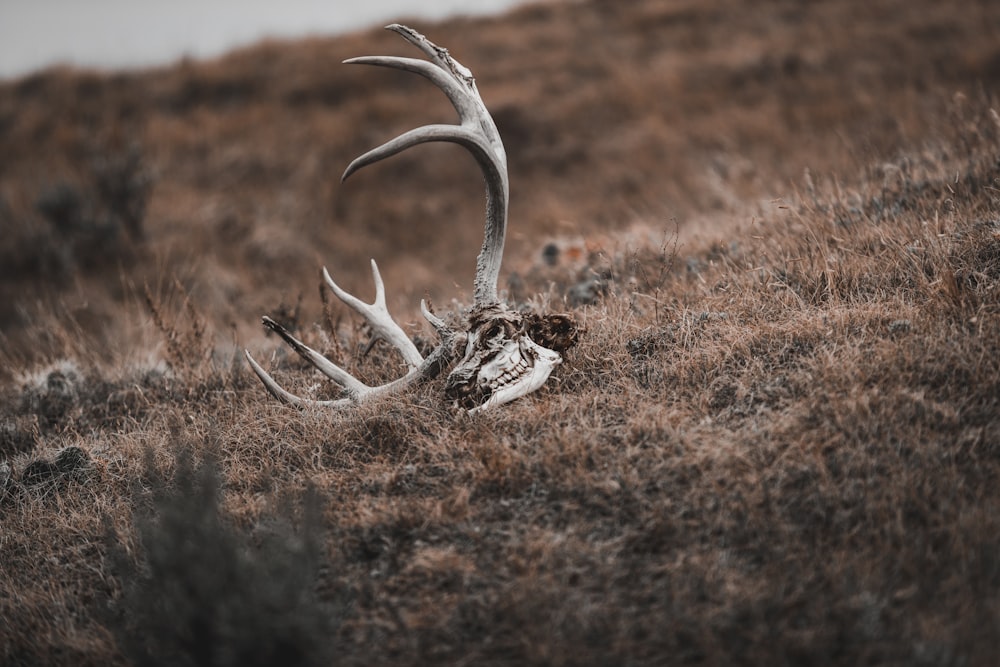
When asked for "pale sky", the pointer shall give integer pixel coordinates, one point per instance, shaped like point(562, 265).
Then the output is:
point(139, 33)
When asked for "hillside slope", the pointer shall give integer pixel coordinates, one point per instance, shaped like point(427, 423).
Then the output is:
point(777, 442)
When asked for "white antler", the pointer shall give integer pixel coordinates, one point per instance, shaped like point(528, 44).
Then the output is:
point(356, 390)
point(477, 132)
point(383, 326)
point(378, 317)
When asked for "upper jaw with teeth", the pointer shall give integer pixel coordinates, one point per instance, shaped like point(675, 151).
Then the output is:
point(525, 370)
point(500, 368)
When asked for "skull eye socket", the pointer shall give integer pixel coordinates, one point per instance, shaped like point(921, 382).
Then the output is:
point(494, 330)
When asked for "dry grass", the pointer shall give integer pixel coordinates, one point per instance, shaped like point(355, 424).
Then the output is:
point(778, 442)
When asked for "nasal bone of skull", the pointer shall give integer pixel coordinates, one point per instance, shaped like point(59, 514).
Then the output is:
point(530, 350)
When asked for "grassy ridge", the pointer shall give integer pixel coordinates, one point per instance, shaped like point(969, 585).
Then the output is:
point(778, 441)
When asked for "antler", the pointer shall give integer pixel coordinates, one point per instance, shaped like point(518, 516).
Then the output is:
point(355, 389)
point(476, 132)
point(378, 318)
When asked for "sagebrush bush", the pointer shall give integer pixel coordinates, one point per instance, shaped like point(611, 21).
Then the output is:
point(200, 591)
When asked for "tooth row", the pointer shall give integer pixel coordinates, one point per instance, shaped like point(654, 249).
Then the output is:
point(509, 376)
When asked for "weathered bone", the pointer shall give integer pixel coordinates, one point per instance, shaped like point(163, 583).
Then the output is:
point(503, 358)
point(378, 317)
point(477, 133)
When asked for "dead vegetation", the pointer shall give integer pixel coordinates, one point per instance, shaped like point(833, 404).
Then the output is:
point(778, 441)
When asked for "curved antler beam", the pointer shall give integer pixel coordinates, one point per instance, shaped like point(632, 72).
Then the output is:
point(477, 133)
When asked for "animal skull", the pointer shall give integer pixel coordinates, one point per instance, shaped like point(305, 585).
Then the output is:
point(507, 354)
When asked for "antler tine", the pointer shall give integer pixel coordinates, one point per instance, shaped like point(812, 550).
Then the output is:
point(443, 330)
point(477, 133)
point(378, 317)
point(353, 386)
point(287, 397)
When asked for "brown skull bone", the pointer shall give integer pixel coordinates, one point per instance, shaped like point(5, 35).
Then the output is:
point(508, 355)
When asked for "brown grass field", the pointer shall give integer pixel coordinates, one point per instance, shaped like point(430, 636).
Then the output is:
point(777, 443)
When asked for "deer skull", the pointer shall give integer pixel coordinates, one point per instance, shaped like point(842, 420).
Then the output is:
point(506, 354)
